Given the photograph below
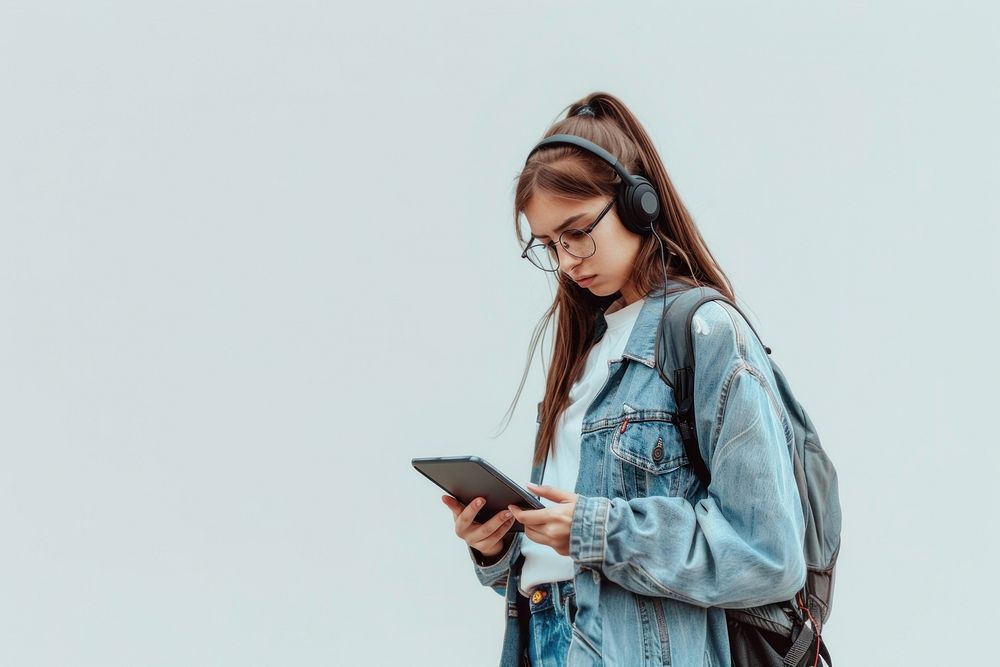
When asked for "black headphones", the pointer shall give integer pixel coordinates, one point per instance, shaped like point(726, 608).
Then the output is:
point(637, 202)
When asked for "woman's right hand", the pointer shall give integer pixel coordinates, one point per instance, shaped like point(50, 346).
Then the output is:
point(486, 538)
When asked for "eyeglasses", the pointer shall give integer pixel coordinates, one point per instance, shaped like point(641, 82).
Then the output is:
point(577, 242)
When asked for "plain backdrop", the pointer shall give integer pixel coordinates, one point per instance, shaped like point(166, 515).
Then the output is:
point(255, 256)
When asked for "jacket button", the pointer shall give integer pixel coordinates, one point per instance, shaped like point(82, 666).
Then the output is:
point(538, 596)
point(658, 452)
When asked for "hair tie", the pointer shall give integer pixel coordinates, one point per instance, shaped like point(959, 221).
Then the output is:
point(586, 110)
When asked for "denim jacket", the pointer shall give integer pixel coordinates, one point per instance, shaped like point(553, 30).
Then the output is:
point(657, 555)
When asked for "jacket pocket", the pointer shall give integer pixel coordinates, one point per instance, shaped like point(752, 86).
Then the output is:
point(648, 456)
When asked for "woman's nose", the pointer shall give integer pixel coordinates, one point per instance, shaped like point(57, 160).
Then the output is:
point(566, 259)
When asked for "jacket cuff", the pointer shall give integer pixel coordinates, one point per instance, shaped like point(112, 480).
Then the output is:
point(588, 532)
point(490, 574)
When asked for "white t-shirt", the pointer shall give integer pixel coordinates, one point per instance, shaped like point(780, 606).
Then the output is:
point(541, 562)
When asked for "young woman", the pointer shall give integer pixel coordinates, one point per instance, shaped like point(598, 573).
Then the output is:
point(633, 560)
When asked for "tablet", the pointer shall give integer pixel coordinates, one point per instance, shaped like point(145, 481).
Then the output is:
point(468, 477)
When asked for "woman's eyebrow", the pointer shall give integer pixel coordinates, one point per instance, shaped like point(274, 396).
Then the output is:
point(565, 223)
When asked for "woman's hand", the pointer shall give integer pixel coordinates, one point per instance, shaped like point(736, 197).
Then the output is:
point(550, 525)
point(486, 538)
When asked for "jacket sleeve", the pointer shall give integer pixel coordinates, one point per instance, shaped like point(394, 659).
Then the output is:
point(495, 573)
point(741, 545)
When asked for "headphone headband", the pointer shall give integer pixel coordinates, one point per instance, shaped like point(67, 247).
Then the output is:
point(638, 203)
point(590, 147)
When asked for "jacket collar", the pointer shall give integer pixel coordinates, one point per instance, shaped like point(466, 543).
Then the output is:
point(641, 344)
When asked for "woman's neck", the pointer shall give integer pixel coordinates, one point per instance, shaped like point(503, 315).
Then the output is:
point(630, 295)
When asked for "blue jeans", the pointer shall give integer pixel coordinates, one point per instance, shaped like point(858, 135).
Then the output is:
point(553, 608)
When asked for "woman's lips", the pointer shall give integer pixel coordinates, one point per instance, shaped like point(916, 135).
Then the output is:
point(583, 282)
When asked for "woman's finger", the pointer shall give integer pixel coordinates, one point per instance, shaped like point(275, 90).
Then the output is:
point(488, 529)
point(496, 535)
point(466, 516)
point(535, 535)
point(454, 505)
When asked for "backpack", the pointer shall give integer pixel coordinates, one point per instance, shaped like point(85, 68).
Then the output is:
point(783, 634)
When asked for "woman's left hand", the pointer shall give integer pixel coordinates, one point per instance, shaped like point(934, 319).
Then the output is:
point(549, 525)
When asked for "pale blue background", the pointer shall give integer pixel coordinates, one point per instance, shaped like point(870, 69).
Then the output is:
point(254, 256)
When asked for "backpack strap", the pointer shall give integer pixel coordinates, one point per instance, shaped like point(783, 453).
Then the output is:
point(675, 364)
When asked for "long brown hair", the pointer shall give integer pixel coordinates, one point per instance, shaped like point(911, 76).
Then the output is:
point(570, 172)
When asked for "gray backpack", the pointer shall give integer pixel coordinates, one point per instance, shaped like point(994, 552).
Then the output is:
point(783, 634)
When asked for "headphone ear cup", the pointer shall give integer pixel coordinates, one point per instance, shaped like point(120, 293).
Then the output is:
point(639, 205)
